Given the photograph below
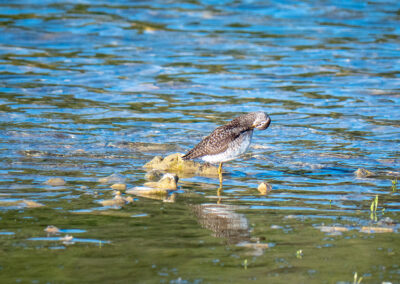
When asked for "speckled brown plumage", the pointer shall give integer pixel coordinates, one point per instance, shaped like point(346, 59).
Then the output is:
point(227, 137)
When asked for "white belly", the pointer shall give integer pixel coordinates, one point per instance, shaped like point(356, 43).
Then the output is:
point(235, 149)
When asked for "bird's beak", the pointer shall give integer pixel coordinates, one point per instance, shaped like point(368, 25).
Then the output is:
point(263, 124)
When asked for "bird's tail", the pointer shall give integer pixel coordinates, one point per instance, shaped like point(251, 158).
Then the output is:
point(186, 156)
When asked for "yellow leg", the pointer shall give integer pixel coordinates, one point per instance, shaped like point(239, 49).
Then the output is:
point(220, 173)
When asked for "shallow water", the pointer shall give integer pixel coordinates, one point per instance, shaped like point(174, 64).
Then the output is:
point(99, 88)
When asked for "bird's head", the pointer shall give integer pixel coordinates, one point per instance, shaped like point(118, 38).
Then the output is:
point(252, 120)
point(261, 120)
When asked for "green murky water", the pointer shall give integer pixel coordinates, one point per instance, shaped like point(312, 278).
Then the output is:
point(96, 89)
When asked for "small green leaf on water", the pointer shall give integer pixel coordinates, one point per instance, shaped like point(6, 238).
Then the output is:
point(299, 254)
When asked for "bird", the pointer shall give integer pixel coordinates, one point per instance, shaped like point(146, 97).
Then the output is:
point(229, 141)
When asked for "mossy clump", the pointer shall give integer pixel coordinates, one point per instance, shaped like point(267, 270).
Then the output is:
point(55, 182)
point(24, 203)
point(149, 192)
point(175, 163)
point(117, 201)
point(264, 188)
point(52, 230)
point(153, 175)
point(363, 173)
point(157, 190)
point(119, 186)
point(167, 182)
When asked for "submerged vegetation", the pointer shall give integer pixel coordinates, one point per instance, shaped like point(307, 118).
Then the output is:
point(356, 279)
point(394, 185)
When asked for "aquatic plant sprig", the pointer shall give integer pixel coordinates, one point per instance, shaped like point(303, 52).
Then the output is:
point(394, 185)
point(373, 208)
point(356, 279)
point(374, 204)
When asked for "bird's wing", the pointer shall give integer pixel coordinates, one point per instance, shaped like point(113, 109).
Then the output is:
point(215, 143)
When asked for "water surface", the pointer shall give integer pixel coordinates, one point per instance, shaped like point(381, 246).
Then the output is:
point(83, 84)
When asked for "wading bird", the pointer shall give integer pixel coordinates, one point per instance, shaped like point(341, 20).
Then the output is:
point(228, 142)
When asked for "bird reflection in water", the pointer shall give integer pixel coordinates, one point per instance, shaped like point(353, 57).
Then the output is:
point(223, 221)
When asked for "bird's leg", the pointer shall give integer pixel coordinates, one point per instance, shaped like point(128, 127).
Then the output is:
point(220, 174)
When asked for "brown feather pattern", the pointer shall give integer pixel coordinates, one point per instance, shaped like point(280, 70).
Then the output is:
point(219, 140)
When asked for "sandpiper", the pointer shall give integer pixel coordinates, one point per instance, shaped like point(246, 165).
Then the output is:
point(227, 142)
